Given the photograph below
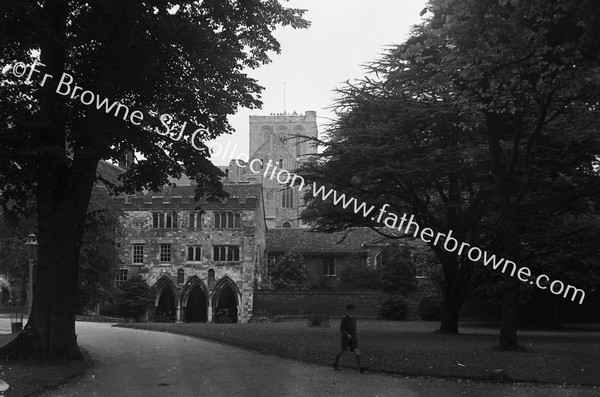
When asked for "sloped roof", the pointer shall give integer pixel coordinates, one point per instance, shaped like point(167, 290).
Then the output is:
point(109, 171)
point(307, 241)
point(241, 191)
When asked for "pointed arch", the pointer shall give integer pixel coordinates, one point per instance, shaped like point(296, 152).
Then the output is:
point(167, 302)
point(194, 300)
point(226, 301)
point(161, 284)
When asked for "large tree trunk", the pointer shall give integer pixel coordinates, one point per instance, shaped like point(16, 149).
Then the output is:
point(500, 165)
point(62, 205)
point(64, 185)
point(454, 295)
point(510, 313)
point(450, 311)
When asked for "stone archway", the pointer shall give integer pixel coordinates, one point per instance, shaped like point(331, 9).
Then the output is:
point(165, 306)
point(195, 301)
point(225, 302)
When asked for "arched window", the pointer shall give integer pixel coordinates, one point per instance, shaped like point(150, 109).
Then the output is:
point(287, 198)
point(180, 276)
point(286, 225)
point(378, 260)
point(211, 278)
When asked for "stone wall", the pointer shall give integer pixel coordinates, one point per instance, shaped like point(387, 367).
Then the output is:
point(271, 303)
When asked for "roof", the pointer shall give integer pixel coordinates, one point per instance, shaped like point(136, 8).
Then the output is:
point(108, 171)
point(307, 241)
point(247, 196)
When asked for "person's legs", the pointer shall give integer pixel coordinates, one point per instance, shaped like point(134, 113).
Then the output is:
point(343, 347)
point(357, 356)
point(337, 360)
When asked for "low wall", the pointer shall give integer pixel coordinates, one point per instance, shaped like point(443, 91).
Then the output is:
point(270, 303)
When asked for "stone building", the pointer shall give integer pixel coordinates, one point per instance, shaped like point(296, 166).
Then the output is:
point(203, 258)
point(326, 255)
point(282, 140)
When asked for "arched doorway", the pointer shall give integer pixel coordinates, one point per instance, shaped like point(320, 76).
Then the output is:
point(166, 308)
point(225, 303)
point(196, 310)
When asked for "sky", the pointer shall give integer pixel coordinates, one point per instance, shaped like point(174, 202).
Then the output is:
point(344, 36)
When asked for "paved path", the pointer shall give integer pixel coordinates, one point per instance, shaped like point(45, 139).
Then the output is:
point(144, 363)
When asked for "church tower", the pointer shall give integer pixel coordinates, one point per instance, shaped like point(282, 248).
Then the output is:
point(282, 139)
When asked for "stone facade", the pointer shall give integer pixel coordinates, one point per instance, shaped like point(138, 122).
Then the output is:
point(204, 258)
point(281, 140)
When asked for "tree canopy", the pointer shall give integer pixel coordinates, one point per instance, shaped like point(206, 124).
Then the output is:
point(290, 272)
point(484, 122)
point(183, 59)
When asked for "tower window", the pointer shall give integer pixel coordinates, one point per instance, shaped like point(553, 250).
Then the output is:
point(287, 198)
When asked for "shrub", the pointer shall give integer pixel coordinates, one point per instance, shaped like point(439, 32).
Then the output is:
point(358, 276)
point(134, 297)
point(290, 272)
point(397, 275)
point(393, 307)
point(430, 308)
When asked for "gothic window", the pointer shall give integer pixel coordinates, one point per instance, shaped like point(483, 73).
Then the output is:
point(211, 278)
point(162, 220)
point(298, 146)
point(194, 253)
point(287, 198)
point(180, 276)
point(227, 220)
point(226, 253)
point(195, 220)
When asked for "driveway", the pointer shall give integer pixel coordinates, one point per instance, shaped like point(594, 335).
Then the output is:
point(132, 362)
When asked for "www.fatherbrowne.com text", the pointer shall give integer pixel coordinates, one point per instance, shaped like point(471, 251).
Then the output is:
point(408, 226)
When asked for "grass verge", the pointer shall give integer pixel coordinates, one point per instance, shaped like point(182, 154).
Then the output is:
point(413, 348)
point(33, 377)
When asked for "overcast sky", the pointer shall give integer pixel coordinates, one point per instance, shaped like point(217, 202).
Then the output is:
point(343, 36)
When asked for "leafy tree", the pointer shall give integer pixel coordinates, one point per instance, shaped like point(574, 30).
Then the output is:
point(398, 274)
point(484, 123)
point(134, 297)
point(99, 255)
point(98, 261)
point(357, 276)
point(290, 272)
point(527, 73)
point(408, 149)
point(14, 257)
point(184, 58)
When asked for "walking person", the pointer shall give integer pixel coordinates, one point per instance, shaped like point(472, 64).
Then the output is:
point(349, 338)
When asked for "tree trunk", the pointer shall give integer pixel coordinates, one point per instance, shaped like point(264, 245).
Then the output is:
point(63, 195)
point(64, 184)
point(450, 311)
point(510, 312)
point(500, 165)
point(454, 293)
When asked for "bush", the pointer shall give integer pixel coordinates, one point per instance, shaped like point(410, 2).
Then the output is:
point(393, 307)
point(134, 297)
point(398, 273)
point(358, 276)
point(290, 272)
point(430, 308)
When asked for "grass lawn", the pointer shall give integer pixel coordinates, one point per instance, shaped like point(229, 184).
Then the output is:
point(412, 348)
point(26, 378)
